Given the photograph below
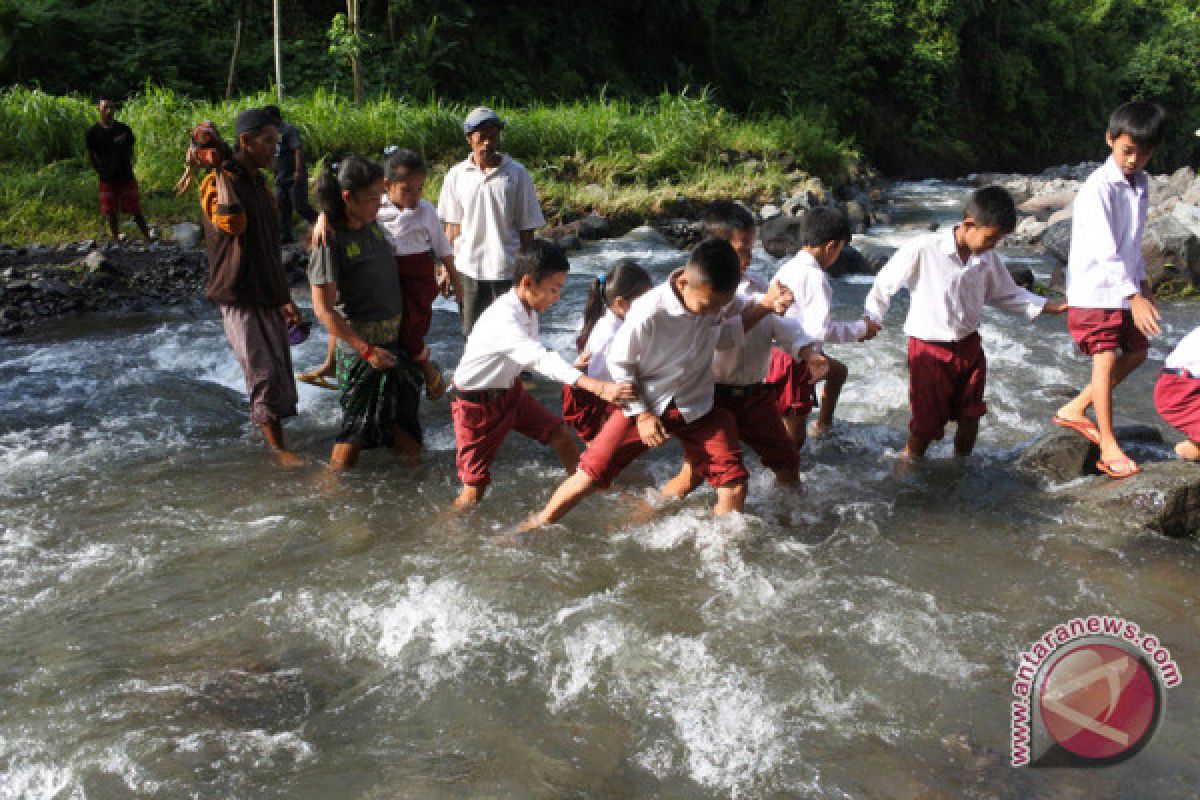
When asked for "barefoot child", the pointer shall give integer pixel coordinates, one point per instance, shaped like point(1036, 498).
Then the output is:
point(417, 239)
point(826, 232)
point(665, 348)
point(950, 276)
point(1177, 394)
point(1111, 305)
point(491, 400)
point(357, 296)
point(740, 371)
point(607, 303)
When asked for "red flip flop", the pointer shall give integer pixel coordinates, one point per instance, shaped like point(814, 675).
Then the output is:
point(1084, 427)
point(1110, 468)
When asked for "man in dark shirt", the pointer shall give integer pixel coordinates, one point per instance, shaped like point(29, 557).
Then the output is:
point(109, 148)
point(291, 176)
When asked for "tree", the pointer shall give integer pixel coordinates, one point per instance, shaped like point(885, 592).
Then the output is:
point(237, 44)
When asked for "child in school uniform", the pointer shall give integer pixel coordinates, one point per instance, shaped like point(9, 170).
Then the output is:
point(1177, 394)
point(491, 400)
point(607, 304)
point(826, 232)
point(412, 228)
point(950, 276)
point(665, 348)
point(740, 371)
point(1112, 307)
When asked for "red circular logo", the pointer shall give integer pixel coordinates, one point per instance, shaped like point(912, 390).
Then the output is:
point(1099, 701)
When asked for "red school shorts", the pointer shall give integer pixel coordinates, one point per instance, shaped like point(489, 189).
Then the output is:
point(1098, 330)
point(418, 284)
point(480, 429)
point(123, 195)
point(796, 392)
point(945, 382)
point(759, 423)
point(584, 412)
point(1177, 400)
point(710, 445)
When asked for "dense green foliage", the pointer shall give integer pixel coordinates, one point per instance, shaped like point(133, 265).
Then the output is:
point(614, 155)
point(923, 86)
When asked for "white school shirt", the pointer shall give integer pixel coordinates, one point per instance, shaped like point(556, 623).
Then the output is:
point(503, 343)
point(946, 296)
point(413, 230)
point(814, 302)
point(748, 360)
point(1186, 354)
point(492, 208)
point(599, 340)
point(1105, 265)
point(666, 352)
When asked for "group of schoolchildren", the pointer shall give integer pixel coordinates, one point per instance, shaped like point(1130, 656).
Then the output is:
point(713, 356)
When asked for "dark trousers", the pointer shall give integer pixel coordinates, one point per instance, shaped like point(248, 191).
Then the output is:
point(477, 296)
point(293, 198)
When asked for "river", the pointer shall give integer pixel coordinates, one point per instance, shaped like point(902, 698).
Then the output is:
point(181, 619)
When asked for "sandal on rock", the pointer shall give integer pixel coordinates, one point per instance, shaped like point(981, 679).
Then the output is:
point(436, 388)
point(1118, 467)
point(316, 378)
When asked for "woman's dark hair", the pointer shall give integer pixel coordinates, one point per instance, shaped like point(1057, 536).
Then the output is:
point(348, 173)
point(626, 279)
point(399, 163)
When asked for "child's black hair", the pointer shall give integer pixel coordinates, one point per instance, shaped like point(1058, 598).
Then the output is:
point(723, 217)
point(539, 261)
point(717, 264)
point(274, 112)
point(349, 173)
point(992, 207)
point(822, 225)
point(1143, 121)
point(402, 162)
point(626, 279)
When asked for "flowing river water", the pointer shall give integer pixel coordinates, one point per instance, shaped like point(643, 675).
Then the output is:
point(182, 619)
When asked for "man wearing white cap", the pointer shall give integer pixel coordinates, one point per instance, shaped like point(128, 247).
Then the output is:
point(490, 209)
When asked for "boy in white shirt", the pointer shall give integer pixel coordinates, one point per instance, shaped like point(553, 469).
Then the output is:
point(950, 276)
point(491, 210)
point(826, 232)
point(1177, 394)
point(665, 349)
point(491, 399)
point(1111, 305)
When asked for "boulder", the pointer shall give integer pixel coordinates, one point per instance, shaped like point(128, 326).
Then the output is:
point(797, 204)
point(858, 211)
point(646, 233)
point(781, 236)
point(1171, 250)
point(1063, 455)
point(95, 260)
point(1057, 239)
point(1062, 215)
point(570, 242)
point(594, 226)
point(1029, 231)
point(769, 211)
point(1164, 498)
point(1043, 205)
point(863, 259)
point(186, 235)
point(1023, 276)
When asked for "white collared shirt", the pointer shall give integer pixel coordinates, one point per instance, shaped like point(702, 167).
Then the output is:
point(599, 340)
point(946, 296)
point(413, 230)
point(503, 343)
point(1105, 265)
point(748, 360)
point(666, 352)
point(813, 304)
point(492, 209)
point(1186, 354)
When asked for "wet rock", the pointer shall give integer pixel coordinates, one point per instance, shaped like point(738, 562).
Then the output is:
point(1057, 239)
point(95, 260)
point(796, 205)
point(594, 226)
point(647, 234)
point(769, 211)
point(1023, 276)
point(1043, 205)
point(1063, 455)
point(1164, 498)
point(866, 258)
point(186, 235)
point(781, 236)
point(1171, 248)
point(570, 242)
point(859, 214)
point(271, 701)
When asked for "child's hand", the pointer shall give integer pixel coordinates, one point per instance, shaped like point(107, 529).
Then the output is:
point(651, 429)
point(381, 359)
point(320, 231)
point(873, 328)
point(818, 365)
point(778, 298)
point(1145, 315)
point(619, 394)
point(444, 285)
point(583, 359)
point(1055, 308)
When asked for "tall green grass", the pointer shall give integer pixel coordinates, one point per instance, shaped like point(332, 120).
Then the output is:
point(632, 150)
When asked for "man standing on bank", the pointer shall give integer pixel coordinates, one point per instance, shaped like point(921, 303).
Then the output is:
point(490, 210)
point(291, 177)
point(246, 278)
point(109, 148)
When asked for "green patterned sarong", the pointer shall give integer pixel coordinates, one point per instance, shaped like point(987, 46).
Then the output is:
point(375, 403)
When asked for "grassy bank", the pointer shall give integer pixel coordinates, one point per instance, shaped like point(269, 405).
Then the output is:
point(606, 154)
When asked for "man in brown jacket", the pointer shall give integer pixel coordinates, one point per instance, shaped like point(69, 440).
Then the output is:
point(246, 278)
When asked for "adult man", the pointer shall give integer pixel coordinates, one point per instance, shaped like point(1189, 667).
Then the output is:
point(246, 278)
point(291, 176)
point(490, 209)
point(109, 148)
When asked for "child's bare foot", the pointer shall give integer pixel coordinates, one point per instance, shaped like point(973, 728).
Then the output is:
point(1115, 464)
point(469, 497)
point(289, 460)
point(1188, 450)
point(819, 429)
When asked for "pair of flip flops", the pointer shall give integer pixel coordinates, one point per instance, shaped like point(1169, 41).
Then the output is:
point(1123, 467)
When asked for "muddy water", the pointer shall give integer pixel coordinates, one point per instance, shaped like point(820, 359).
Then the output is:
point(179, 619)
